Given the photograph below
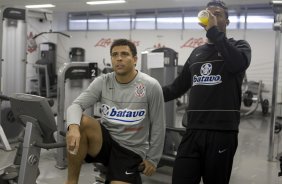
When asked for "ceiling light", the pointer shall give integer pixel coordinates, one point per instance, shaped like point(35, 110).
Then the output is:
point(276, 2)
point(105, 2)
point(40, 6)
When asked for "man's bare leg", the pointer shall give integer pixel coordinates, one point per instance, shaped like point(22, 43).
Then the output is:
point(90, 142)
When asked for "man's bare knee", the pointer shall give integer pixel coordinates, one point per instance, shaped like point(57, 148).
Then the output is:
point(91, 129)
point(88, 122)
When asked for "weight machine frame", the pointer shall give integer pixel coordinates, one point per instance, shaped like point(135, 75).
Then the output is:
point(277, 27)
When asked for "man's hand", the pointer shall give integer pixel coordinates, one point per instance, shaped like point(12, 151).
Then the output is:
point(73, 139)
point(149, 168)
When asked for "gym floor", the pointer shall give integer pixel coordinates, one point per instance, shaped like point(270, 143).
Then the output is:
point(251, 165)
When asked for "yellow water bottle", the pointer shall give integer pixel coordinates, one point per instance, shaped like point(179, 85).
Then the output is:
point(203, 17)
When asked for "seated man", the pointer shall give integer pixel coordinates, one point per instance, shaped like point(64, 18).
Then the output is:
point(132, 127)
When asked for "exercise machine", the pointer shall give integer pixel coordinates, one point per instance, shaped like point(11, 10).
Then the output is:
point(13, 31)
point(252, 97)
point(12, 73)
point(162, 64)
point(40, 126)
point(67, 73)
point(13, 66)
point(77, 54)
point(46, 70)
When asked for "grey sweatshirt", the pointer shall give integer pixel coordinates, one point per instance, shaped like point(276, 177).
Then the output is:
point(133, 113)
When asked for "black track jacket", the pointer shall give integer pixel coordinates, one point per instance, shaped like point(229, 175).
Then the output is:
point(214, 75)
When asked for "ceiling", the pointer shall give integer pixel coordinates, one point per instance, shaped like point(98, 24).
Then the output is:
point(80, 5)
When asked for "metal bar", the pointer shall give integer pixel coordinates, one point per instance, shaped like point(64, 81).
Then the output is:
point(30, 155)
point(4, 139)
point(47, 82)
point(274, 95)
point(2, 133)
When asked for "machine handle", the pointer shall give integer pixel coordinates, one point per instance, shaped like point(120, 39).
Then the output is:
point(49, 145)
point(50, 102)
point(4, 98)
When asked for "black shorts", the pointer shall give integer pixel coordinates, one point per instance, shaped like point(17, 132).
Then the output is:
point(122, 164)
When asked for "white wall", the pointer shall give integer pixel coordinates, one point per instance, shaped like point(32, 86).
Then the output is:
point(97, 45)
point(263, 52)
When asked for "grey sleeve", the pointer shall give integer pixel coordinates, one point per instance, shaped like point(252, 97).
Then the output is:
point(87, 98)
point(74, 113)
point(157, 119)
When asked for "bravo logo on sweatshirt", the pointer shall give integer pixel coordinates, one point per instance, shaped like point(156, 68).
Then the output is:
point(206, 78)
point(122, 116)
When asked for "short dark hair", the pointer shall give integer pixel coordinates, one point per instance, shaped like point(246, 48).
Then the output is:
point(220, 4)
point(122, 42)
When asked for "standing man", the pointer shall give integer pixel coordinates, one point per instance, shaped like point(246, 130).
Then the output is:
point(214, 73)
point(132, 127)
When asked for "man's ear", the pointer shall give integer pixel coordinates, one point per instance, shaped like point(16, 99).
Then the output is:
point(227, 22)
point(135, 59)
